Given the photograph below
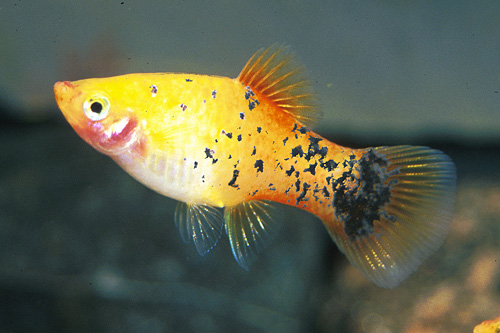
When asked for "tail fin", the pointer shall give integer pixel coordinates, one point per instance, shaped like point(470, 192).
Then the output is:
point(399, 211)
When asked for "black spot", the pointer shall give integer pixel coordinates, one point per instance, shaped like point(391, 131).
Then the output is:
point(252, 102)
point(248, 92)
point(312, 168)
point(214, 93)
point(314, 193)
point(229, 157)
point(254, 151)
point(359, 201)
point(259, 165)
point(314, 149)
point(195, 165)
point(302, 195)
point(284, 141)
point(325, 192)
point(301, 130)
point(242, 115)
point(215, 160)
point(239, 137)
point(259, 129)
point(189, 80)
point(229, 135)
point(209, 152)
point(297, 185)
point(289, 172)
point(297, 151)
point(329, 165)
point(233, 180)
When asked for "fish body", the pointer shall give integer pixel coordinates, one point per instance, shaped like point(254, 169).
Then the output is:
point(228, 148)
point(488, 326)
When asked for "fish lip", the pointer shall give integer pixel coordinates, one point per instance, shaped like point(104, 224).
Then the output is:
point(62, 89)
point(65, 92)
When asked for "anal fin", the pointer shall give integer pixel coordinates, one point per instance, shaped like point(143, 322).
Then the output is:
point(250, 225)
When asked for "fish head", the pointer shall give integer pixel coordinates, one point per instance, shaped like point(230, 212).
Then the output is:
point(98, 112)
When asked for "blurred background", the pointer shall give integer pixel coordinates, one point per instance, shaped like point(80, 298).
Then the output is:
point(84, 247)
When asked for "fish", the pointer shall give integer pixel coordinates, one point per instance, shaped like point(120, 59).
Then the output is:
point(232, 150)
point(488, 326)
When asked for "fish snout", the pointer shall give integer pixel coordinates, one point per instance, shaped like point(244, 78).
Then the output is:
point(62, 89)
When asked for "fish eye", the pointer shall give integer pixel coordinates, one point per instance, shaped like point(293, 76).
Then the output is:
point(96, 107)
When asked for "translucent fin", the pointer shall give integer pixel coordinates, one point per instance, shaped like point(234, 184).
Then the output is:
point(250, 225)
point(201, 223)
point(413, 221)
point(274, 73)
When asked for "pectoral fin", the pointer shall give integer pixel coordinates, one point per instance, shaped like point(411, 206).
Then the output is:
point(200, 223)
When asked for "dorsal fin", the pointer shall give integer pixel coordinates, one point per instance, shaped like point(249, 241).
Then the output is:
point(275, 73)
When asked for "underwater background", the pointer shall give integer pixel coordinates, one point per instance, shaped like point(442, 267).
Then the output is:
point(85, 247)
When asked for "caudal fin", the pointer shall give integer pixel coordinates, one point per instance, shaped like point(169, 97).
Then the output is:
point(396, 213)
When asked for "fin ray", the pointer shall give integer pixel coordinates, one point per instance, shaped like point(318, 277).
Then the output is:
point(250, 225)
point(415, 219)
point(200, 223)
point(274, 73)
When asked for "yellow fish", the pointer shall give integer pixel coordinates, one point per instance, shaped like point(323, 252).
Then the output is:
point(241, 144)
point(488, 326)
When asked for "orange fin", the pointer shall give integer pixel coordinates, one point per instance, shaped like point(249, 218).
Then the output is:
point(397, 212)
point(275, 74)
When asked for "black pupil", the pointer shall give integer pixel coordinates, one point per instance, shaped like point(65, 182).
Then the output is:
point(96, 107)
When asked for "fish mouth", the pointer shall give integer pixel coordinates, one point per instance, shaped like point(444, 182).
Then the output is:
point(62, 89)
point(65, 93)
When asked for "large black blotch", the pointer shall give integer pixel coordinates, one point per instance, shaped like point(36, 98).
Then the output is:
point(359, 201)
